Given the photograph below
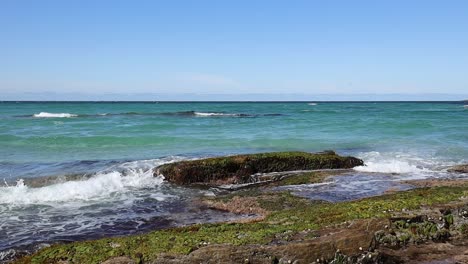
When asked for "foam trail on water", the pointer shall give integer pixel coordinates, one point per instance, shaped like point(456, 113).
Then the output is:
point(54, 115)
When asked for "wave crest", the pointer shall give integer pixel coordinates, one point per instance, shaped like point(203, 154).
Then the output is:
point(54, 115)
point(179, 114)
point(215, 114)
point(124, 178)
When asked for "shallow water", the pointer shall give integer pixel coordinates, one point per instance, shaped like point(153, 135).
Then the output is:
point(350, 186)
point(83, 170)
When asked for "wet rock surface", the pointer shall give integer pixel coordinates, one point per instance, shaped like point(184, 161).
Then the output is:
point(436, 236)
point(459, 168)
point(423, 225)
point(240, 168)
point(352, 239)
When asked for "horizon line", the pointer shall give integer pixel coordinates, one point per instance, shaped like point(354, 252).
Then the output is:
point(232, 101)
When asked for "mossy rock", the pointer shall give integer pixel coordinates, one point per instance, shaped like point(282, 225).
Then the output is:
point(238, 169)
point(290, 218)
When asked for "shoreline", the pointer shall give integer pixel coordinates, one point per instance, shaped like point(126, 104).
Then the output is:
point(285, 227)
point(349, 231)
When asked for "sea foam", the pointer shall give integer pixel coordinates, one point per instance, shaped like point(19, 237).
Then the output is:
point(97, 187)
point(54, 115)
point(214, 114)
point(391, 163)
point(126, 177)
point(389, 166)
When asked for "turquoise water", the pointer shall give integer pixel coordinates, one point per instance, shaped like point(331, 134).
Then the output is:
point(97, 157)
point(108, 131)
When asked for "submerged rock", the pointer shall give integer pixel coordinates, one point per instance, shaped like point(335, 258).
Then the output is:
point(238, 169)
point(459, 168)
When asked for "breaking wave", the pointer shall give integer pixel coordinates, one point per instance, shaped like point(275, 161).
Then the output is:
point(180, 113)
point(396, 162)
point(54, 115)
point(116, 180)
point(218, 114)
point(389, 166)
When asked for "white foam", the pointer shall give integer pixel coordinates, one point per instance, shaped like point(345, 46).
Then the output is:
point(312, 103)
point(129, 177)
point(389, 166)
point(391, 163)
point(54, 115)
point(97, 187)
point(7, 254)
point(213, 114)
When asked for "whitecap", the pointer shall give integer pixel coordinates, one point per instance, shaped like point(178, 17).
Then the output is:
point(213, 114)
point(54, 115)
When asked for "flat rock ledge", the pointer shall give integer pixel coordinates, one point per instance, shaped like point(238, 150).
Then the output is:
point(239, 168)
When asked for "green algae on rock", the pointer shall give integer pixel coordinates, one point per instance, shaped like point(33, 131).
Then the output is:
point(238, 169)
point(288, 231)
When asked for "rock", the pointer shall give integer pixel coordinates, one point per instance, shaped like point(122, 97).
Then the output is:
point(238, 169)
point(348, 240)
point(119, 260)
point(459, 168)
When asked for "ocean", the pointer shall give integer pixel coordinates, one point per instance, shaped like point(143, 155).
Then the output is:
point(79, 170)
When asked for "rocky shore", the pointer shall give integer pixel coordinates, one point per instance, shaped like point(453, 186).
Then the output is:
point(428, 224)
point(240, 168)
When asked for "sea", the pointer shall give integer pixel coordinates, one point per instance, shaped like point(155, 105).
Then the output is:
point(83, 170)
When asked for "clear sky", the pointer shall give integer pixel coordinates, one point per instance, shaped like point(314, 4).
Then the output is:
point(233, 47)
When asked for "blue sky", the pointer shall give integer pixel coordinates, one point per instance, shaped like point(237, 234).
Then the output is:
point(233, 47)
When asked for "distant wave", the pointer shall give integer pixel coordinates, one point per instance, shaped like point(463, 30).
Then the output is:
point(187, 114)
point(312, 103)
point(180, 113)
point(213, 114)
point(222, 114)
point(208, 114)
point(54, 115)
